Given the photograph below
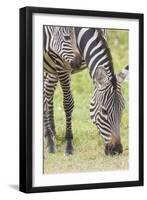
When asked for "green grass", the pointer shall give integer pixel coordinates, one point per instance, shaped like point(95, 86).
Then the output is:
point(88, 144)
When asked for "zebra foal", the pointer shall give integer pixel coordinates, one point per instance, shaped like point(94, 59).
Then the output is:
point(60, 59)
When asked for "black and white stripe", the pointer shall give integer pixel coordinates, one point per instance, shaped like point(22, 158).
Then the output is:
point(94, 49)
point(107, 102)
point(59, 40)
point(58, 53)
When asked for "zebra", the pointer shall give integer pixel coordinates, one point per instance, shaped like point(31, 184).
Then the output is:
point(60, 59)
point(89, 47)
point(107, 102)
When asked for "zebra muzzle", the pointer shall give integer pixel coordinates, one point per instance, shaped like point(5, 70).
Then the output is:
point(76, 62)
point(111, 149)
point(114, 147)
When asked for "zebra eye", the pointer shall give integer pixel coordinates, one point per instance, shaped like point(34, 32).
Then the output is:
point(67, 37)
point(104, 111)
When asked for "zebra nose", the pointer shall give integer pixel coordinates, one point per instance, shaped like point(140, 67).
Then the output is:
point(76, 62)
point(113, 149)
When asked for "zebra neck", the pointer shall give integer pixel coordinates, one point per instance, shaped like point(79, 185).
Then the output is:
point(94, 49)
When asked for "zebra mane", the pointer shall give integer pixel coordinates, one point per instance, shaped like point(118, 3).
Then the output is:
point(113, 78)
point(103, 38)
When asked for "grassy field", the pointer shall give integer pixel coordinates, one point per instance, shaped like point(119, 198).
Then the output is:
point(88, 144)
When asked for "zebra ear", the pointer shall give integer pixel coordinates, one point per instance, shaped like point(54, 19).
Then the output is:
point(56, 30)
point(123, 74)
point(100, 76)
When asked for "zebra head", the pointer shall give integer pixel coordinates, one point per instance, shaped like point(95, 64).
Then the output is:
point(106, 108)
point(63, 43)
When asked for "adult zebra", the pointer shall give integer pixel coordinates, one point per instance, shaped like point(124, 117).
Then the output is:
point(107, 102)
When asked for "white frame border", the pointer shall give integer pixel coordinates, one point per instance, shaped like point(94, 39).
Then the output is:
point(132, 174)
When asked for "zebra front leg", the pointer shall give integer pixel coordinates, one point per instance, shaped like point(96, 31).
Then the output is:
point(49, 134)
point(50, 82)
point(68, 103)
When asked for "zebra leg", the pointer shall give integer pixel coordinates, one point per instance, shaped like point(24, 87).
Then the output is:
point(68, 103)
point(50, 82)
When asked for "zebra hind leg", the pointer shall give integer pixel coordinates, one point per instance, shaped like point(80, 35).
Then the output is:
point(68, 103)
point(50, 82)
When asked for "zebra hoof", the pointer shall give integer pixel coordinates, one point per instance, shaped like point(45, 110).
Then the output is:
point(111, 149)
point(52, 149)
point(69, 150)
